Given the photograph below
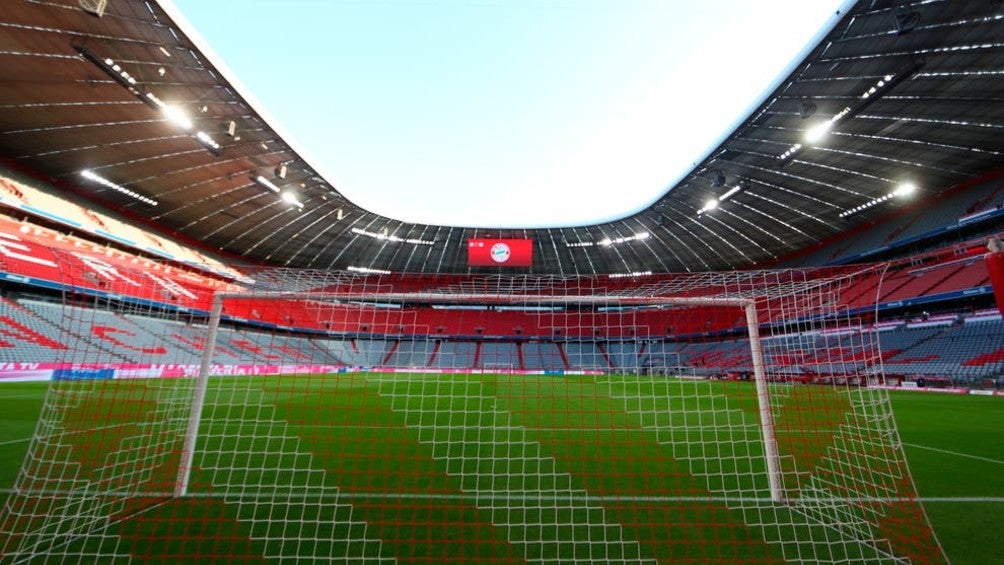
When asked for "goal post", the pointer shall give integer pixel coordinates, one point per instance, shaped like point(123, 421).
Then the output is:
point(333, 417)
point(763, 401)
point(199, 397)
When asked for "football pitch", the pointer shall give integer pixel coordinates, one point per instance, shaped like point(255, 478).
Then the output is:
point(462, 468)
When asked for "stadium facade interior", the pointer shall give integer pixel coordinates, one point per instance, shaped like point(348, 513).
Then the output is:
point(149, 233)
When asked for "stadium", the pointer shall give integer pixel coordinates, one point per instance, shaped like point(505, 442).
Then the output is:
point(210, 354)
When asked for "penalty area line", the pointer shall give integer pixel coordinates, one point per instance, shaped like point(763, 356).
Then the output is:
point(956, 453)
point(12, 441)
point(68, 433)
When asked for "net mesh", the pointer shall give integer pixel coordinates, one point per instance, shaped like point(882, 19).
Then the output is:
point(328, 417)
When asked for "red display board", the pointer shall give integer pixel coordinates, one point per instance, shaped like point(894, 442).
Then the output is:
point(499, 252)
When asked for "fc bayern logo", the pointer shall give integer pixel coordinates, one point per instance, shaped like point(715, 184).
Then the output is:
point(500, 253)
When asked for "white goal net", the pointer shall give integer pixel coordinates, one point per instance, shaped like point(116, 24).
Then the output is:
point(309, 416)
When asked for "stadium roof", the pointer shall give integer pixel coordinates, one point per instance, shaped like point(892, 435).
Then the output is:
point(895, 93)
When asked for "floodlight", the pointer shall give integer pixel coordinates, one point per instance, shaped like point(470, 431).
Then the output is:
point(905, 189)
point(204, 138)
point(818, 131)
point(731, 192)
point(367, 270)
point(178, 116)
point(385, 235)
point(709, 206)
point(266, 183)
point(291, 198)
point(96, 178)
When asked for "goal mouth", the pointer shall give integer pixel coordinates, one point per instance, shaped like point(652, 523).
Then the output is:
point(363, 418)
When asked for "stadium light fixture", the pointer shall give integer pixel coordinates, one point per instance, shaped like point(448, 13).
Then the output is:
point(153, 100)
point(608, 241)
point(791, 151)
point(626, 275)
point(715, 202)
point(208, 141)
point(386, 236)
point(178, 117)
point(96, 178)
point(173, 113)
point(730, 193)
point(261, 180)
point(816, 133)
point(367, 270)
point(904, 189)
point(708, 206)
point(292, 199)
point(876, 90)
point(111, 68)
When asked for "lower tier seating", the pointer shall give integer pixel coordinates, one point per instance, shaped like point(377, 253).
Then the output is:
point(963, 349)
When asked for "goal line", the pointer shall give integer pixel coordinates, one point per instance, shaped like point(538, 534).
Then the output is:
point(509, 496)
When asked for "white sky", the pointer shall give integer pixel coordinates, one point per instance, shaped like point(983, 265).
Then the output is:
point(507, 113)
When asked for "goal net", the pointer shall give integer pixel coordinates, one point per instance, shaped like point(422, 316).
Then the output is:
point(310, 416)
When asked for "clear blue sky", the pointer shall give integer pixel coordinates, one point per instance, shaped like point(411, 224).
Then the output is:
point(506, 113)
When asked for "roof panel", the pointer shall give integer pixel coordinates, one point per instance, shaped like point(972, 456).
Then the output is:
point(60, 113)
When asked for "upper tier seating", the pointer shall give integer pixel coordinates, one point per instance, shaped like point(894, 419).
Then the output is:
point(29, 195)
point(916, 221)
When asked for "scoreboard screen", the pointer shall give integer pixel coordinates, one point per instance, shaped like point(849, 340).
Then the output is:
point(499, 252)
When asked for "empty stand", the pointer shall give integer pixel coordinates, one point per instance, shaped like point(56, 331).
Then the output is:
point(27, 338)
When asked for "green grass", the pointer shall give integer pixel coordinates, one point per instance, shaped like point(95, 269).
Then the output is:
point(955, 447)
point(451, 468)
point(20, 404)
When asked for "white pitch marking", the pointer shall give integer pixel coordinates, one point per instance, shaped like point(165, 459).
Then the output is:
point(66, 433)
point(10, 441)
point(956, 453)
point(508, 496)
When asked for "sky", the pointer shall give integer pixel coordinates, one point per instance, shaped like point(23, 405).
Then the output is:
point(506, 113)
